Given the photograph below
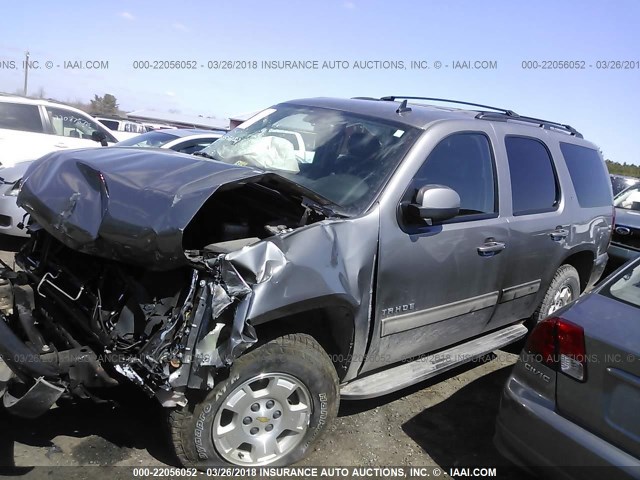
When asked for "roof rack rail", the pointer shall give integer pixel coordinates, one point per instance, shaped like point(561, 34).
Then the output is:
point(511, 113)
point(546, 124)
point(503, 114)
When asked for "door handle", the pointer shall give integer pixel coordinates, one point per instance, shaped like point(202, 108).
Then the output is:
point(491, 248)
point(559, 234)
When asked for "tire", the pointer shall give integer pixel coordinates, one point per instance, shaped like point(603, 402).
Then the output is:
point(566, 279)
point(298, 396)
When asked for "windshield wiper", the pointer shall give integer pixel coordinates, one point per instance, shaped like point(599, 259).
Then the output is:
point(319, 208)
point(204, 154)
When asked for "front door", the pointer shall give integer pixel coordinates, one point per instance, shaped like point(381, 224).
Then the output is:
point(439, 284)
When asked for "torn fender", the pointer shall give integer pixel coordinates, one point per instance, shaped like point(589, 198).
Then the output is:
point(326, 264)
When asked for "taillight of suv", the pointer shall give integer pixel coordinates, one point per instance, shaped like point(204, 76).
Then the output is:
point(559, 344)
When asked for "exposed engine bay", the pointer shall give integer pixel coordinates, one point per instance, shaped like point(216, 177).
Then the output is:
point(77, 321)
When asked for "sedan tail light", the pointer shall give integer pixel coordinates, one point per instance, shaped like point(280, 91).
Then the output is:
point(559, 344)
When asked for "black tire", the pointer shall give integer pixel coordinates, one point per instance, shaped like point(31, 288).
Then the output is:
point(565, 277)
point(299, 356)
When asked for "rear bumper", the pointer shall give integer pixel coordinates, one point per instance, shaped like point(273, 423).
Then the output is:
point(530, 433)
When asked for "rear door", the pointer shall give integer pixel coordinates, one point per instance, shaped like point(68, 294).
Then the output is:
point(608, 402)
point(539, 222)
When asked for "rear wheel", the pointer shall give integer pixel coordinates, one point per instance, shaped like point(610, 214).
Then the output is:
point(275, 403)
point(564, 289)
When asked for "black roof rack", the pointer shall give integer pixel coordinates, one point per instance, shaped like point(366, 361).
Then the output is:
point(537, 121)
point(446, 100)
point(503, 114)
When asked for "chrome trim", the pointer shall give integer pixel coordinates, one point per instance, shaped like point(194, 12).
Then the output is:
point(409, 321)
point(428, 366)
point(521, 290)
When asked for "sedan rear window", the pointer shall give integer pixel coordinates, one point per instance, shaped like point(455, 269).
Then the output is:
point(153, 139)
point(626, 287)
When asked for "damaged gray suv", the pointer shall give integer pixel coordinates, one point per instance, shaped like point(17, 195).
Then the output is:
point(253, 287)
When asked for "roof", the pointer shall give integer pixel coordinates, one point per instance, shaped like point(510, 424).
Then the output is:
point(180, 119)
point(35, 101)
point(241, 117)
point(420, 115)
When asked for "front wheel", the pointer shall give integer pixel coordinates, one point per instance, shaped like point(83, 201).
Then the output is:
point(564, 289)
point(275, 403)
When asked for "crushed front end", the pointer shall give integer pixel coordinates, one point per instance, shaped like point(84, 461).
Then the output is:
point(71, 323)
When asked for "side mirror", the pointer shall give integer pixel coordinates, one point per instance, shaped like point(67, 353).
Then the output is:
point(435, 203)
point(100, 137)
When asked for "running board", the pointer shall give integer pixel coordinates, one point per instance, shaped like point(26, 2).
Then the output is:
point(406, 374)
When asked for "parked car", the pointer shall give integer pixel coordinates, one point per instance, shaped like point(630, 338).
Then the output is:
point(625, 243)
point(40, 126)
point(184, 140)
point(180, 140)
point(249, 292)
point(621, 182)
point(12, 217)
point(122, 128)
point(571, 402)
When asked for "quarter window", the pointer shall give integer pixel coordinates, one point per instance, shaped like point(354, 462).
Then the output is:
point(464, 163)
point(534, 188)
point(588, 175)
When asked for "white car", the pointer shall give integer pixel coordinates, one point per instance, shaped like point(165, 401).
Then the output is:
point(122, 128)
point(180, 140)
point(184, 140)
point(29, 128)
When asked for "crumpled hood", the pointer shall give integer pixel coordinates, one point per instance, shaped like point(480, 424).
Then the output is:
point(126, 204)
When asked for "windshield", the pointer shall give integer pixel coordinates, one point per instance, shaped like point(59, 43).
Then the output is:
point(629, 199)
point(149, 140)
point(343, 157)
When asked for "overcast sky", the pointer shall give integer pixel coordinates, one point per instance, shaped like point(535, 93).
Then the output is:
point(603, 104)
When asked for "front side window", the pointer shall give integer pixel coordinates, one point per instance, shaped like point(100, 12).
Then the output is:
point(67, 123)
point(534, 188)
point(341, 156)
point(464, 163)
point(19, 116)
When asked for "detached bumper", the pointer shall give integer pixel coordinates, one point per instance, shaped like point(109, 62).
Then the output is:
point(530, 433)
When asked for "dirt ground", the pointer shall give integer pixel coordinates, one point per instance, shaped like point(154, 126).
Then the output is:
point(447, 421)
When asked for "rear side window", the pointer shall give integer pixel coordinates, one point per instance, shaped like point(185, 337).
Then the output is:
point(18, 116)
point(534, 187)
point(110, 124)
point(588, 175)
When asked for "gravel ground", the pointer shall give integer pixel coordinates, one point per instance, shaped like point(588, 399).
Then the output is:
point(447, 421)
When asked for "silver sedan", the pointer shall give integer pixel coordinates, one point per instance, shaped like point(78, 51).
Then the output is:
point(571, 407)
